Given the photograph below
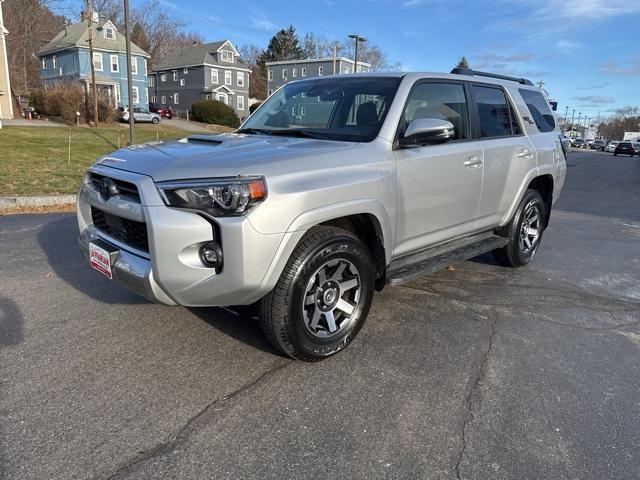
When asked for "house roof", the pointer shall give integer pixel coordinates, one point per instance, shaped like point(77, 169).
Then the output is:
point(194, 55)
point(317, 60)
point(77, 36)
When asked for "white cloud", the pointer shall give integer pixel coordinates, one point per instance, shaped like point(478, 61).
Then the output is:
point(628, 69)
point(567, 46)
point(263, 24)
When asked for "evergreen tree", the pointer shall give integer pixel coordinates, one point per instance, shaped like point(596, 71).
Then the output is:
point(284, 45)
point(463, 63)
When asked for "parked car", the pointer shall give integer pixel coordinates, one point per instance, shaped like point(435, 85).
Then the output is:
point(310, 218)
point(624, 148)
point(579, 143)
point(139, 115)
point(598, 145)
point(162, 110)
point(566, 142)
point(636, 147)
point(611, 146)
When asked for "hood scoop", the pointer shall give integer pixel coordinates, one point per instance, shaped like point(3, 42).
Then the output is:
point(208, 139)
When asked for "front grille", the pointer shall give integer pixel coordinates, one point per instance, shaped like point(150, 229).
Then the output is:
point(124, 188)
point(124, 230)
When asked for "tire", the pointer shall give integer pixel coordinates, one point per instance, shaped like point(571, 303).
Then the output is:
point(615, 154)
point(302, 316)
point(154, 120)
point(522, 246)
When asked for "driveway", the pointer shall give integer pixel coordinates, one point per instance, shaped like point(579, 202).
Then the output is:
point(482, 372)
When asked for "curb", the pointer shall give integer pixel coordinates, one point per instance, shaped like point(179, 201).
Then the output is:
point(9, 203)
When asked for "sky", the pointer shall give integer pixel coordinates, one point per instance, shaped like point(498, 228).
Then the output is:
point(586, 51)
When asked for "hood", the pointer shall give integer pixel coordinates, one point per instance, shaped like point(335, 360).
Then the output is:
point(207, 156)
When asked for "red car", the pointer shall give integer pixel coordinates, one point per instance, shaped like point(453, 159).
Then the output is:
point(162, 110)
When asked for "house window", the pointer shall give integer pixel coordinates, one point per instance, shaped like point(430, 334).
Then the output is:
point(54, 61)
point(240, 79)
point(302, 111)
point(346, 70)
point(116, 90)
point(109, 34)
point(320, 71)
point(44, 63)
point(136, 95)
point(185, 70)
point(221, 97)
point(303, 71)
point(145, 65)
point(227, 77)
point(152, 81)
point(175, 75)
point(163, 77)
point(240, 102)
point(227, 56)
point(134, 66)
point(284, 73)
point(214, 75)
point(182, 82)
point(270, 92)
point(270, 73)
point(163, 99)
point(115, 66)
point(153, 99)
point(97, 61)
point(175, 99)
point(294, 72)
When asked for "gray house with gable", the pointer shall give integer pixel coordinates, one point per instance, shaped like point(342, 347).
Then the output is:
point(279, 73)
point(203, 71)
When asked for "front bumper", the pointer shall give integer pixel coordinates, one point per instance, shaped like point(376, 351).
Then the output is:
point(171, 271)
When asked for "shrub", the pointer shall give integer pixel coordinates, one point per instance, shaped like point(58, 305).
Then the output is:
point(65, 99)
point(36, 100)
point(213, 111)
point(252, 108)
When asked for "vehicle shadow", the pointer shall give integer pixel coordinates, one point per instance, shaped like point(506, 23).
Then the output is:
point(11, 333)
point(59, 240)
point(240, 323)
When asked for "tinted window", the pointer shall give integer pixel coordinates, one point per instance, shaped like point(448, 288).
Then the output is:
point(444, 101)
point(539, 108)
point(494, 112)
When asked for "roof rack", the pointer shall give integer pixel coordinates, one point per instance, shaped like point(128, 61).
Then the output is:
point(471, 72)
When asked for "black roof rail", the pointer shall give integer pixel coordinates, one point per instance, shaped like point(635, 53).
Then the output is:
point(471, 72)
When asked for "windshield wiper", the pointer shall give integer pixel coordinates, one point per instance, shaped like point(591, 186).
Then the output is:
point(255, 131)
point(299, 133)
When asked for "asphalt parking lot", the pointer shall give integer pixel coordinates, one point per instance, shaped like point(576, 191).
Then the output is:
point(481, 372)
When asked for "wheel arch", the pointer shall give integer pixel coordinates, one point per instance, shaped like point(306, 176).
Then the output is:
point(544, 184)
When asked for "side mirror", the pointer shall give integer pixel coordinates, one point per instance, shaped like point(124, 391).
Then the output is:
point(422, 131)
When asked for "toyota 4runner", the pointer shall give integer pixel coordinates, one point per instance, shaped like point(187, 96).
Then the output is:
point(333, 188)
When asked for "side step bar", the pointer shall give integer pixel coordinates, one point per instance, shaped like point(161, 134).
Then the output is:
point(436, 258)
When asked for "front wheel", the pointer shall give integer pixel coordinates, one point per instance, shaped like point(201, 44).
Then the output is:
point(524, 232)
point(323, 295)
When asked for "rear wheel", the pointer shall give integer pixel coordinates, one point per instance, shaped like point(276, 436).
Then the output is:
point(322, 297)
point(524, 232)
point(155, 120)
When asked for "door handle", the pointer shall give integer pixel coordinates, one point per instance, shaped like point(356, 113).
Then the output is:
point(525, 153)
point(473, 161)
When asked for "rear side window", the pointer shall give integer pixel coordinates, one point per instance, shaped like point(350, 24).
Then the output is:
point(495, 114)
point(539, 108)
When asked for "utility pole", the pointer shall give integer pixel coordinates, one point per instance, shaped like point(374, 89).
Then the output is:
point(579, 117)
point(132, 134)
point(335, 52)
point(573, 114)
point(566, 114)
point(94, 90)
point(357, 39)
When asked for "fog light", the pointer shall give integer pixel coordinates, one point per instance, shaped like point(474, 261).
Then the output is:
point(211, 255)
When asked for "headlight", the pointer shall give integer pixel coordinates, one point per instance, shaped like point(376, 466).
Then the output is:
point(217, 197)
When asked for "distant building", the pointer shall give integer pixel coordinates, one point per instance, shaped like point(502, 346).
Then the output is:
point(66, 58)
point(6, 108)
point(279, 73)
point(631, 136)
point(203, 71)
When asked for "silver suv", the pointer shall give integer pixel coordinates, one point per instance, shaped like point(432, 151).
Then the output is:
point(333, 188)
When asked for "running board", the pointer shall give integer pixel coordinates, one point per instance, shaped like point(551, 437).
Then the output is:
point(437, 258)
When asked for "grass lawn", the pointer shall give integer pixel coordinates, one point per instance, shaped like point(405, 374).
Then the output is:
point(35, 160)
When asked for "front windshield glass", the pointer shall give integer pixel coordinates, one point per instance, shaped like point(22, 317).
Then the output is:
point(338, 108)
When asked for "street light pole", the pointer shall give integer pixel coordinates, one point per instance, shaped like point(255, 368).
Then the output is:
point(357, 38)
point(566, 113)
point(573, 114)
point(579, 117)
point(132, 134)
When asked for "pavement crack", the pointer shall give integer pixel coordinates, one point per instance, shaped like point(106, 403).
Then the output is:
point(191, 425)
point(468, 400)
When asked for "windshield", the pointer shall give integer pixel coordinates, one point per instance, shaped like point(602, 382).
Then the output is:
point(338, 108)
